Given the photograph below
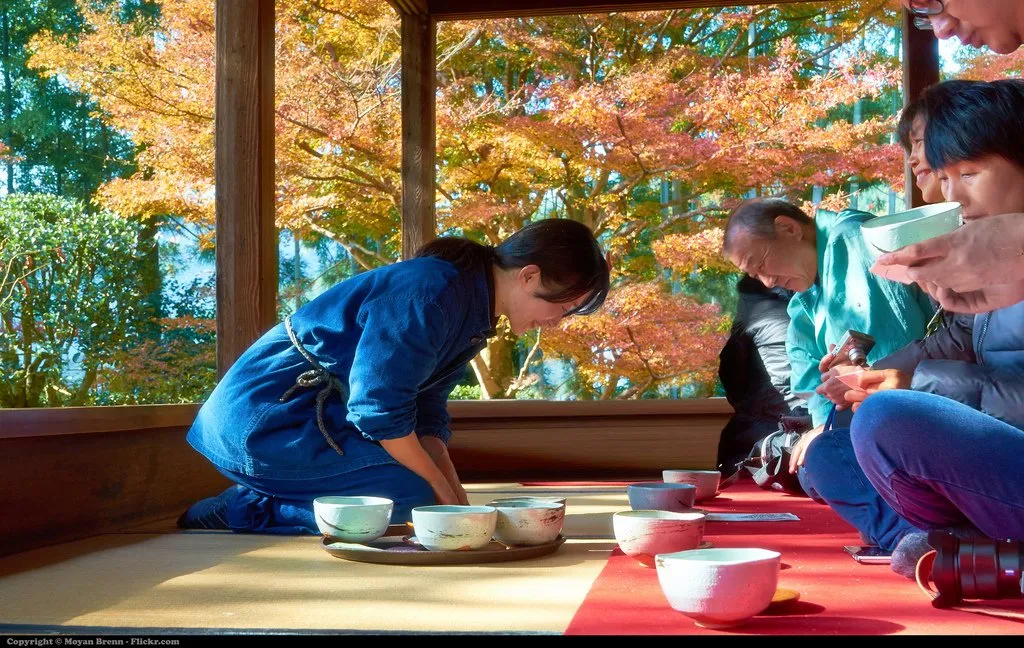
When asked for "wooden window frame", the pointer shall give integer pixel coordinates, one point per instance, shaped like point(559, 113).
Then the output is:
point(246, 233)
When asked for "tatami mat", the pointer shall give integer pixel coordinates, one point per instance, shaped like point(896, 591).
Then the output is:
point(235, 581)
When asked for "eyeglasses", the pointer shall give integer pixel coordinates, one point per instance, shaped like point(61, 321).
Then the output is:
point(923, 10)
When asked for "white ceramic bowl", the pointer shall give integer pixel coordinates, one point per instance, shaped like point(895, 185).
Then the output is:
point(352, 519)
point(659, 496)
point(528, 522)
point(527, 498)
point(719, 588)
point(454, 528)
point(889, 233)
point(645, 534)
point(706, 481)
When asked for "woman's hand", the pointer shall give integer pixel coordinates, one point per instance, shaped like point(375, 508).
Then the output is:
point(872, 381)
point(975, 268)
point(438, 451)
point(834, 388)
point(799, 452)
point(444, 494)
point(978, 301)
point(409, 452)
point(830, 360)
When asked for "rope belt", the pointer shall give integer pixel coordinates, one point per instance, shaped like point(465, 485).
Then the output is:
point(315, 377)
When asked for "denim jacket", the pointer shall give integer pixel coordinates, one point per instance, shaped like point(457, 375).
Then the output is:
point(975, 360)
point(396, 339)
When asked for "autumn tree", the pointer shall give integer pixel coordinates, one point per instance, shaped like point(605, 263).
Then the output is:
point(645, 126)
point(177, 366)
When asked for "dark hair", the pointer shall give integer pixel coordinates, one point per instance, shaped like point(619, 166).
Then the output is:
point(757, 217)
point(910, 112)
point(971, 119)
point(566, 252)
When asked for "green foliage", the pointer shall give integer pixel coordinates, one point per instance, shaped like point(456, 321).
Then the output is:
point(75, 298)
point(465, 392)
point(178, 364)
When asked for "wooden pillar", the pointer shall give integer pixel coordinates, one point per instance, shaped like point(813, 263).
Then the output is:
point(920, 70)
point(244, 171)
point(419, 72)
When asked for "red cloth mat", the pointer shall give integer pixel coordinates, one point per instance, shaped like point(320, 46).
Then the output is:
point(837, 594)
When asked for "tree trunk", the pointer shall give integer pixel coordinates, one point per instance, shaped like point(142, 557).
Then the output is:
point(488, 388)
point(495, 367)
point(609, 389)
point(297, 270)
point(28, 329)
point(5, 28)
point(83, 389)
point(152, 278)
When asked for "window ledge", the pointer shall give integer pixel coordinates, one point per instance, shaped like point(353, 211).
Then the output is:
point(20, 423)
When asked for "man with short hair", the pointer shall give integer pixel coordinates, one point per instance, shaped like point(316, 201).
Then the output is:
point(826, 261)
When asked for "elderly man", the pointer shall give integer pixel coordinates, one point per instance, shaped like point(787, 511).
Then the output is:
point(979, 267)
point(826, 261)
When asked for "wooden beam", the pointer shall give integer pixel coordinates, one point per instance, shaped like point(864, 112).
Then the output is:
point(244, 170)
point(473, 9)
point(60, 488)
point(68, 421)
point(419, 75)
point(920, 69)
point(636, 446)
point(64, 421)
point(411, 7)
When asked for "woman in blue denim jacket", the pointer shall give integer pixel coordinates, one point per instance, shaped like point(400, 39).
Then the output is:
point(944, 440)
point(348, 396)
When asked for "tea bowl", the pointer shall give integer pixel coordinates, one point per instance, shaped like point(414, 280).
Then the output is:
point(645, 534)
point(892, 232)
point(528, 498)
point(719, 588)
point(454, 527)
point(706, 481)
point(661, 496)
point(352, 518)
point(528, 522)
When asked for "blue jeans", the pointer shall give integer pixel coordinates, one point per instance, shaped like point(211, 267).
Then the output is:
point(285, 506)
point(831, 474)
point(940, 463)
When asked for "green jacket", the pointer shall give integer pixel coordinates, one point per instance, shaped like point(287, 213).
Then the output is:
point(845, 295)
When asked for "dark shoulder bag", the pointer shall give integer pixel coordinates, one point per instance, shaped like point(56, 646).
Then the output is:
point(768, 461)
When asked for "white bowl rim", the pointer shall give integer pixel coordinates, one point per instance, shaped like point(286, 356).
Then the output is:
point(655, 514)
point(363, 500)
point(528, 504)
point(662, 486)
point(454, 509)
point(910, 216)
point(539, 498)
point(699, 472)
point(529, 498)
point(743, 555)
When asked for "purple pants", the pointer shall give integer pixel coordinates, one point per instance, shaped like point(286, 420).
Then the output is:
point(939, 463)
